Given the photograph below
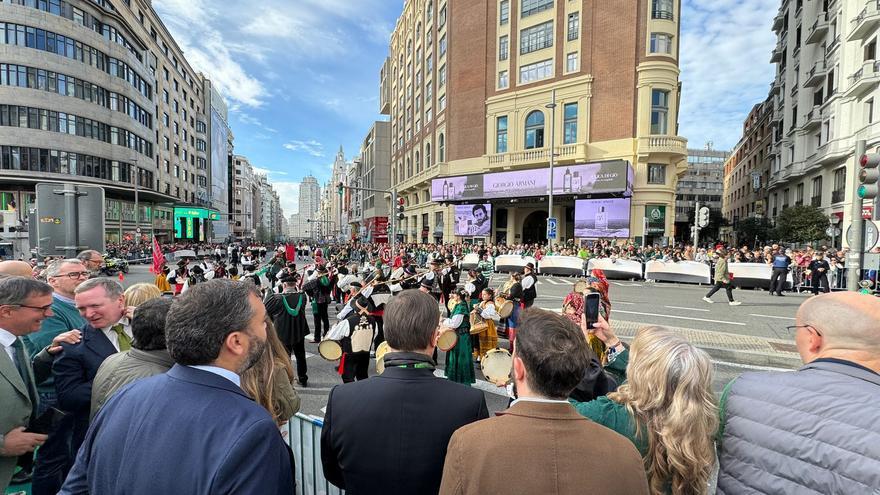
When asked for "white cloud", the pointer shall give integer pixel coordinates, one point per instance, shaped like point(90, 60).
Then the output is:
point(288, 196)
point(725, 66)
point(312, 147)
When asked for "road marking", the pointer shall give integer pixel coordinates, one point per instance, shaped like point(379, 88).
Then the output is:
point(480, 384)
point(771, 316)
point(688, 309)
point(621, 284)
point(309, 355)
point(681, 317)
point(750, 366)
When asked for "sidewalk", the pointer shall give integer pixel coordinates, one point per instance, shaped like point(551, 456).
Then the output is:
point(733, 348)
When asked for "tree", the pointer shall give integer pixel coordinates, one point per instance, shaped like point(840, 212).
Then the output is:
point(801, 224)
point(262, 233)
point(751, 228)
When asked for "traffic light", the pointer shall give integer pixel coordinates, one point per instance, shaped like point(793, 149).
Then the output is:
point(341, 188)
point(703, 217)
point(869, 176)
point(400, 205)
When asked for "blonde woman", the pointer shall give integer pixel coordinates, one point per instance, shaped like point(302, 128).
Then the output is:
point(666, 407)
point(270, 381)
point(138, 294)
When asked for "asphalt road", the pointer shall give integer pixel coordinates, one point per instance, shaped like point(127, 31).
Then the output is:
point(677, 305)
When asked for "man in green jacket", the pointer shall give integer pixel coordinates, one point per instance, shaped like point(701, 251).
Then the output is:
point(722, 279)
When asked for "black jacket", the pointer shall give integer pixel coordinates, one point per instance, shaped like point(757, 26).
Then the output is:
point(389, 434)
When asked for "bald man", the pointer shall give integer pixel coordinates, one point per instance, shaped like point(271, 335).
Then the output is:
point(14, 268)
point(817, 429)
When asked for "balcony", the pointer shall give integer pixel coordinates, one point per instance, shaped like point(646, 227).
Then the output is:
point(866, 22)
point(778, 21)
point(838, 196)
point(776, 56)
point(671, 146)
point(817, 74)
point(813, 120)
point(818, 30)
point(864, 79)
point(566, 152)
point(816, 201)
point(775, 87)
point(833, 45)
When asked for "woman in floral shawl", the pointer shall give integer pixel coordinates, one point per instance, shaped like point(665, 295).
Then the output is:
point(573, 305)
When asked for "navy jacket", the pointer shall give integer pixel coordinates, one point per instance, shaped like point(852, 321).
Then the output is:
point(185, 431)
point(74, 370)
point(389, 434)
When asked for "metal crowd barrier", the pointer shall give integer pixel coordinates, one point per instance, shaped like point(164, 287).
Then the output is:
point(304, 438)
point(692, 272)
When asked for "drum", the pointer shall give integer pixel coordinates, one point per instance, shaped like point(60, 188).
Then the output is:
point(447, 340)
point(478, 324)
point(380, 357)
point(496, 365)
point(330, 350)
point(505, 307)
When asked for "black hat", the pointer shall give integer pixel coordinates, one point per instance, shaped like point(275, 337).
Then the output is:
point(355, 284)
point(530, 266)
point(197, 270)
point(410, 269)
point(426, 283)
point(343, 270)
point(450, 257)
point(436, 262)
point(289, 278)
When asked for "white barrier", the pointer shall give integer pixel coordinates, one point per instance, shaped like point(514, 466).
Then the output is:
point(512, 262)
point(469, 261)
point(755, 275)
point(561, 265)
point(304, 438)
point(616, 269)
point(683, 271)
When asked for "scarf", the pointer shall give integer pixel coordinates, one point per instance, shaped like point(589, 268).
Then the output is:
point(408, 360)
point(291, 311)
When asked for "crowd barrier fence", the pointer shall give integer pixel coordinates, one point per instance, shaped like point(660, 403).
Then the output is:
point(304, 437)
point(617, 269)
point(691, 272)
point(755, 276)
point(561, 265)
point(469, 261)
point(512, 262)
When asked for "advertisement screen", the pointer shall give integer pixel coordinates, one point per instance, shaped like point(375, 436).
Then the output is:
point(599, 218)
point(473, 220)
point(586, 178)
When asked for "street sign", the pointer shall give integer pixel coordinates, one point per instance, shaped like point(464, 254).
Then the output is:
point(867, 212)
point(551, 228)
point(386, 255)
point(70, 218)
point(832, 231)
point(871, 235)
point(138, 230)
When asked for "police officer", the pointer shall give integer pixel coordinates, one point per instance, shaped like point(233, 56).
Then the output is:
point(781, 262)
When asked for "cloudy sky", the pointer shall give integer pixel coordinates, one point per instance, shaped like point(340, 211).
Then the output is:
point(301, 76)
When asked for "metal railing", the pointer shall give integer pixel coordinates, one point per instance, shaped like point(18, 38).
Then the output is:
point(304, 438)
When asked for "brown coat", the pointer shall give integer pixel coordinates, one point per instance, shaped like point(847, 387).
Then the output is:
point(541, 448)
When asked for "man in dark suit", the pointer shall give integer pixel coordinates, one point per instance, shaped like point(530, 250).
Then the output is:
point(107, 331)
point(389, 434)
point(193, 429)
point(541, 444)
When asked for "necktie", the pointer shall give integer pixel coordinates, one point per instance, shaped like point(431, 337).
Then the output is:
point(21, 364)
point(121, 337)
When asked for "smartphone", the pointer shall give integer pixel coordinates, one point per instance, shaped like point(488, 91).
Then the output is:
point(591, 308)
point(168, 295)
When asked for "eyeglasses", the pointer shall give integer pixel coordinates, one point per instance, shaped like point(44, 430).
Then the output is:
point(41, 309)
point(793, 328)
point(73, 275)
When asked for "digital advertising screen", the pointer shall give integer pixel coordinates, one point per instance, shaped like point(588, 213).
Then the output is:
point(602, 218)
point(473, 220)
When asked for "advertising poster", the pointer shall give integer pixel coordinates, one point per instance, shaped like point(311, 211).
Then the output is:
point(457, 188)
point(598, 218)
point(473, 220)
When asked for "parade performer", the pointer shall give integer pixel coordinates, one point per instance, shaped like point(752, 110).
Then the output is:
point(318, 288)
point(488, 339)
point(529, 285)
point(434, 277)
point(514, 294)
point(459, 364)
point(355, 365)
point(178, 276)
point(288, 312)
point(573, 306)
point(451, 277)
point(162, 279)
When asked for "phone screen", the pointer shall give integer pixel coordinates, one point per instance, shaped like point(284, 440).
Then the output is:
point(591, 308)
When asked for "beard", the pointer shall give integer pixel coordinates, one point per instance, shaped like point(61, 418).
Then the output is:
point(258, 347)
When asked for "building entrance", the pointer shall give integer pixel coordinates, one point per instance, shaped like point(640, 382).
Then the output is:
point(534, 229)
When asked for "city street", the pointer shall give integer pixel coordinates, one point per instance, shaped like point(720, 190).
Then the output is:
point(634, 304)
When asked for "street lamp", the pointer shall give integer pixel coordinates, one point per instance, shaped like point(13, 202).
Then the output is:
point(552, 107)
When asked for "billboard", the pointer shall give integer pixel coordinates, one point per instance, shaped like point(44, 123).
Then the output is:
point(597, 218)
point(586, 178)
point(473, 220)
point(219, 174)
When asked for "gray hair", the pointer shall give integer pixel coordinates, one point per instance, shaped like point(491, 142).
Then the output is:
point(113, 288)
point(16, 290)
point(202, 317)
point(87, 255)
point(54, 267)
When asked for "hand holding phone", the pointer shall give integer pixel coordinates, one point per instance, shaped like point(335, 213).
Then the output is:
point(591, 308)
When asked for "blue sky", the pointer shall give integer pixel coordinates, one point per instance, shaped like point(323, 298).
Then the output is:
point(301, 76)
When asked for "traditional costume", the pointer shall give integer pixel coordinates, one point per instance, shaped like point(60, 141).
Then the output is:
point(573, 306)
point(488, 339)
point(288, 313)
point(459, 364)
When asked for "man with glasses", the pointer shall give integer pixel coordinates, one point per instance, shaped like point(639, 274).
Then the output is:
point(813, 430)
point(54, 458)
point(92, 260)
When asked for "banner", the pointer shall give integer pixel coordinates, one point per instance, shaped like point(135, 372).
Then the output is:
point(598, 218)
point(473, 220)
point(586, 178)
point(656, 215)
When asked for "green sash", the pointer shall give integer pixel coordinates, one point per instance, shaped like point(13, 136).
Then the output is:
point(291, 311)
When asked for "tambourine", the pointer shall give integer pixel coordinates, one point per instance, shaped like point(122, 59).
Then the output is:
point(381, 350)
point(496, 365)
point(330, 350)
point(504, 307)
point(447, 340)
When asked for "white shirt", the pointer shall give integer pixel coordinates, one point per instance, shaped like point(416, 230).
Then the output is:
point(538, 399)
point(112, 335)
point(6, 340)
point(225, 373)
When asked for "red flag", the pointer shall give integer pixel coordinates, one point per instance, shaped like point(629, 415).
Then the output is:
point(121, 277)
point(158, 258)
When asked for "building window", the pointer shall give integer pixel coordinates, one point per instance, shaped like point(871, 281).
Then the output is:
point(441, 103)
point(441, 18)
point(661, 9)
point(574, 25)
point(428, 157)
point(799, 195)
point(571, 62)
point(570, 124)
point(503, 47)
point(536, 72)
point(530, 7)
point(501, 134)
point(816, 200)
point(536, 38)
point(535, 130)
point(442, 46)
point(659, 111)
point(441, 76)
point(441, 148)
point(661, 43)
point(503, 81)
point(869, 110)
point(656, 173)
point(837, 195)
point(504, 14)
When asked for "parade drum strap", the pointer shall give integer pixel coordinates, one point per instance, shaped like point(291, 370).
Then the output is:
point(447, 340)
point(478, 324)
point(330, 350)
point(496, 365)
point(505, 308)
